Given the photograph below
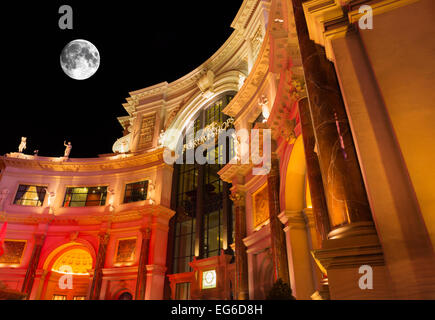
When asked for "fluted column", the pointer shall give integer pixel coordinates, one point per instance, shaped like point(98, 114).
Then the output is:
point(241, 286)
point(344, 188)
point(99, 265)
point(277, 236)
point(142, 269)
point(33, 265)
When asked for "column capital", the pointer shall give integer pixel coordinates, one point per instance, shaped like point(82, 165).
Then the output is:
point(156, 269)
point(292, 219)
point(103, 237)
point(238, 197)
point(146, 232)
point(39, 238)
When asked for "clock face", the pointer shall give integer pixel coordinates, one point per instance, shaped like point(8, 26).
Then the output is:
point(209, 279)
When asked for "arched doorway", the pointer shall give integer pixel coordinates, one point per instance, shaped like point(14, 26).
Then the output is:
point(298, 233)
point(69, 271)
point(125, 296)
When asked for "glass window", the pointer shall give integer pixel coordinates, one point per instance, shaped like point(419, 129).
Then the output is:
point(30, 196)
point(80, 298)
point(135, 192)
point(85, 197)
point(59, 297)
point(212, 195)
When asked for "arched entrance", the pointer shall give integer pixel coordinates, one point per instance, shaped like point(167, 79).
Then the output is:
point(297, 227)
point(69, 270)
point(125, 296)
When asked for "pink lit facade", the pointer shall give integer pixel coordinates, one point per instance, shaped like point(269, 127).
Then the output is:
point(351, 181)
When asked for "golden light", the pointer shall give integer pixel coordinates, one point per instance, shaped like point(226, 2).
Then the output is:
point(78, 259)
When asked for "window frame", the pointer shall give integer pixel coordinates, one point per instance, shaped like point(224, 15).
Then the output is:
point(88, 187)
point(147, 181)
point(17, 189)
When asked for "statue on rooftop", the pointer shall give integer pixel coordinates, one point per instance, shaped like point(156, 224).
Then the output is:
point(23, 145)
point(68, 149)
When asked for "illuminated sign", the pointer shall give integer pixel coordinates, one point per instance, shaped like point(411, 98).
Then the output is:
point(209, 279)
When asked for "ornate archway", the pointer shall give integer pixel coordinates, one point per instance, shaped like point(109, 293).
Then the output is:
point(68, 273)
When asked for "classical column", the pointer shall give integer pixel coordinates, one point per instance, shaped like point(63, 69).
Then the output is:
point(277, 236)
point(320, 210)
point(99, 265)
point(199, 235)
point(241, 285)
point(227, 218)
point(33, 265)
point(142, 268)
point(344, 188)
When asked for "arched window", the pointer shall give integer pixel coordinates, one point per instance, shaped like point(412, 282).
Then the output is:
point(203, 210)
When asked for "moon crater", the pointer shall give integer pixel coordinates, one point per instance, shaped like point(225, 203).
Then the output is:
point(80, 59)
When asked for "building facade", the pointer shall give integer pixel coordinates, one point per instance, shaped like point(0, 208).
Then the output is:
point(348, 194)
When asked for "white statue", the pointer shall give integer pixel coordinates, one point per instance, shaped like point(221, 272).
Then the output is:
point(264, 102)
point(51, 197)
point(23, 145)
point(236, 147)
point(162, 138)
point(68, 149)
point(124, 146)
point(151, 192)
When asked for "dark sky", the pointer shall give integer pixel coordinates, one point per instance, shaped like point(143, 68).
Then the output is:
point(141, 43)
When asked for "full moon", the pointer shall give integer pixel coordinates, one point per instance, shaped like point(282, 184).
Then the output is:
point(80, 59)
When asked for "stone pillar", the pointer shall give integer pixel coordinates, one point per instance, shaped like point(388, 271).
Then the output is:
point(277, 236)
point(227, 219)
point(409, 254)
point(33, 265)
point(142, 270)
point(199, 235)
point(320, 210)
point(241, 285)
point(99, 265)
point(344, 188)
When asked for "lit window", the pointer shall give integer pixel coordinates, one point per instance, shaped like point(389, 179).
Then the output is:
point(209, 279)
point(59, 297)
point(135, 192)
point(80, 298)
point(85, 197)
point(30, 196)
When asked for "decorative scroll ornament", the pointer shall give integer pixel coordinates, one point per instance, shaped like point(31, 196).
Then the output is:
point(238, 198)
point(161, 141)
point(263, 102)
point(205, 83)
point(122, 145)
point(298, 89)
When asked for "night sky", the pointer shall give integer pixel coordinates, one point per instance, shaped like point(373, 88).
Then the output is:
point(141, 43)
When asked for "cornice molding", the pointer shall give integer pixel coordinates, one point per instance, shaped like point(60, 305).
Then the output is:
point(252, 83)
point(116, 162)
point(326, 19)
